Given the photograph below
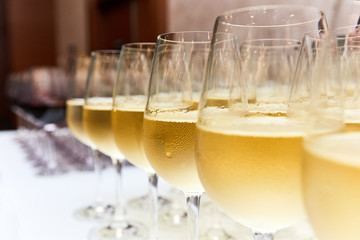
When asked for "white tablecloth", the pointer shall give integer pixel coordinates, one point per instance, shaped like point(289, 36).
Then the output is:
point(34, 207)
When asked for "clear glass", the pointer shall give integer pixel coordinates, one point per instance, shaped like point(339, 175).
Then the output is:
point(127, 115)
point(171, 112)
point(97, 125)
point(245, 136)
point(99, 210)
point(331, 146)
point(244, 106)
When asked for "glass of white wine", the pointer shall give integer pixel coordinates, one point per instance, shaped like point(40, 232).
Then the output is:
point(171, 112)
point(248, 99)
point(128, 112)
point(248, 148)
point(99, 210)
point(97, 125)
point(331, 148)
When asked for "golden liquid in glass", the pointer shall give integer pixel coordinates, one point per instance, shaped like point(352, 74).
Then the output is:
point(128, 130)
point(352, 126)
point(331, 179)
point(252, 172)
point(74, 108)
point(97, 125)
point(169, 143)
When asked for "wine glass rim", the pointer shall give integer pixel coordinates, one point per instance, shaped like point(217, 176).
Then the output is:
point(270, 7)
point(139, 46)
point(162, 38)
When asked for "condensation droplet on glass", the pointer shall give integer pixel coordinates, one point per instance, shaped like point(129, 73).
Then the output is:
point(169, 154)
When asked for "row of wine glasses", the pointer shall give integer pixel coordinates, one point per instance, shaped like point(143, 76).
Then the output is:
point(114, 127)
point(226, 112)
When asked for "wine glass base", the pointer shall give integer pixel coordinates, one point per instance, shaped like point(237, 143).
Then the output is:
point(216, 234)
point(123, 230)
point(96, 213)
point(173, 217)
point(142, 203)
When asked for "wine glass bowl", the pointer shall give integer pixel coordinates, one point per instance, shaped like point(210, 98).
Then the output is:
point(130, 99)
point(76, 92)
point(254, 144)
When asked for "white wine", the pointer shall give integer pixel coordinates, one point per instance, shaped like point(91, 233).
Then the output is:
point(97, 125)
point(252, 170)
point(330, 178)
point(169, 142)
point(74, 108)
point(127, 124)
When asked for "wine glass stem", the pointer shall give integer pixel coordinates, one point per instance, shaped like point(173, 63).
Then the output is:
point(98, 173)
point(263, 236)
point(193, 206)
point(153, 204)
point(119, 196)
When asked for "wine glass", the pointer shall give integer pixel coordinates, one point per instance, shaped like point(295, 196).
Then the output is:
point(99, 210)
point(248, 148)
point(268, 36)
point(171, 112)
point(331, 150)
point(97, 125)
point(128, 112)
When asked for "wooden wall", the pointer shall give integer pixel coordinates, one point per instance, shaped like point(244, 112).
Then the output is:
point(29, 37)
point(30, 33)
point(28, 40)
point(5, 116)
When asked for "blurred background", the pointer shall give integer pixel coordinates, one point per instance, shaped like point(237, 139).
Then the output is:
point(40, 38)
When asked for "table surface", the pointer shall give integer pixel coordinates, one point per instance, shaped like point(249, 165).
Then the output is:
point(35, 207)
point(42, 207)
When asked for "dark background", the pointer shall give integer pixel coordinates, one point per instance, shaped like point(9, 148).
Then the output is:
point(28, 34)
